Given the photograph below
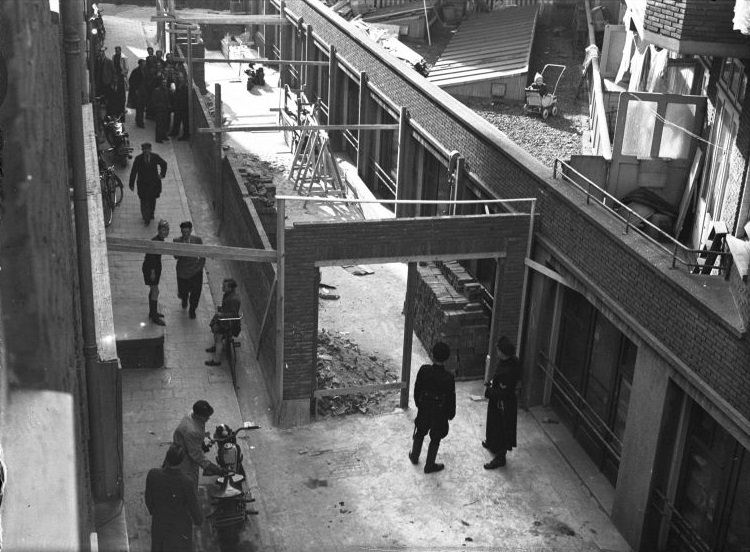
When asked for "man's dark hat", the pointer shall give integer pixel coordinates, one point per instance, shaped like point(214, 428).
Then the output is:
point(440, 352)
point(202, 408)
point(505, 346)
point(186, 224)
point(175, 454)
point(146, 145)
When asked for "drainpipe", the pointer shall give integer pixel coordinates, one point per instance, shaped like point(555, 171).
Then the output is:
point(71, 12)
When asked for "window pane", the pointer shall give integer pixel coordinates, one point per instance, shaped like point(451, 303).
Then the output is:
point(738, 534)
point(639, 128)
point(675, 143)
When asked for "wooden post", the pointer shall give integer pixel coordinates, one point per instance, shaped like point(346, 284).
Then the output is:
point(494, 329)
point(309, 49)
point(191, 108)
point(411, 287)
point(458, 183)
point(401, 163)
point(218, 142)
point(280, 294)
point(362, 138)
point(553, 339)
point(333, 93)
point(284, 36)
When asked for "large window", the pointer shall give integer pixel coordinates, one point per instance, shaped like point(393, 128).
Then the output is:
point(712, 501)
point(595, 364)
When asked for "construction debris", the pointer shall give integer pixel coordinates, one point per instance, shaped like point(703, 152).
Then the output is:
point(258, 175)
point(342, 364)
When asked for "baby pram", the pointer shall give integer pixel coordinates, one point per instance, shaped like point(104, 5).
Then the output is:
point(538, 98)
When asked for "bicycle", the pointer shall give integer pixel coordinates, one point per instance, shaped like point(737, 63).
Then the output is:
point(230, 344)
point(111, 186)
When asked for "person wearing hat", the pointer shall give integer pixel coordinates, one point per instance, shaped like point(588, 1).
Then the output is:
point(435, 397)
point(189, 435)
point(173, 504)
point(148, 170)
point(189, 271)
point(152, 274)
point(502, 406)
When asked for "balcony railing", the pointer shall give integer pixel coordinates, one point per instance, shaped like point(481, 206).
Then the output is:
point(679, 253)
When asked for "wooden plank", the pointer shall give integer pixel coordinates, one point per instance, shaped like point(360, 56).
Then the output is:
point(340, 391)
point(269, 128)
point(221, 19)
point(416, 258)
point(280, 298)
point(257, 61)
point(409, 311)
point(116, 243)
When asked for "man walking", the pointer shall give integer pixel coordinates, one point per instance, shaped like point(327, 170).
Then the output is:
point(138, 83)
point(435, 397)
point(180, 106)
point(189, 271)
point(502, 406)
point(160, 109)
point(120, 82)
point(146, 171)
point(172, 502)
point(189, 435)
point(152, 273)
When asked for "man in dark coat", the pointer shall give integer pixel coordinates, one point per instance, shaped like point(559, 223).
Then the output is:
point(152, 274)
point(190, 435)
point(160, 109)
point(180, 107)
point(502, 407)
point(138, 95)
point(173, 504)
point(189, 271)
point(148, 169)
point(435, 397)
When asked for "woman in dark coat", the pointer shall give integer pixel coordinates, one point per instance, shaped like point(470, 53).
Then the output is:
point(502, 408)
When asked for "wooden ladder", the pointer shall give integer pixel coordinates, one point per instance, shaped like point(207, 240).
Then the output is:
point(713, 246)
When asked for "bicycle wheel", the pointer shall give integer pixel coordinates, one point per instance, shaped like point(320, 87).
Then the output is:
point(111, 190)
point(119, 189)
point(106, 206)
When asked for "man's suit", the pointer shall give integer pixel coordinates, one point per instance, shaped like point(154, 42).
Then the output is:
point(148, 177)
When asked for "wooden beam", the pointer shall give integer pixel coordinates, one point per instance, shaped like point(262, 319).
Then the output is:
point(116, 243)
point(280, 296)
point(261, 61)
point(265, 317)
point(221, 19)
point(269, 128)
point(548, 272)
point(411, 287)
point(339, 391)
point(403, 165)
point(492, 254)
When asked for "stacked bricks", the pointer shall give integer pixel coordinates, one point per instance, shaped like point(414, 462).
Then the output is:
point(699, 20)
point(448, 308)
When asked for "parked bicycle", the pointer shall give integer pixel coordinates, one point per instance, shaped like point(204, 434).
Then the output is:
point(231, 500)
point(111, 187)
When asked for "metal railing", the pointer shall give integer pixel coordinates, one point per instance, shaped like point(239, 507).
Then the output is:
point(350, 137)
point(677, 523)
point(678, 252)
point(583, 409)
point(384, 177)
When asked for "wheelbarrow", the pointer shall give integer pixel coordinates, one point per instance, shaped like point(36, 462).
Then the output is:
point(539, 100)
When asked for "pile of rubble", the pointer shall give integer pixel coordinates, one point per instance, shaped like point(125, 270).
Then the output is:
point(342, 364)
point(257, 175)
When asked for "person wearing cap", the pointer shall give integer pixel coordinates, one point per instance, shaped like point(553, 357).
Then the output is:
point(435, 397)
point(151, 269)
point(229, 308)
point(173, 504)
point(502, 407)
point(148, 170)
point(189, 271)
point(189, 435)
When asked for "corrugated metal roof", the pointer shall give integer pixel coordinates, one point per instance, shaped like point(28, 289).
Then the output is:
point(488, 46)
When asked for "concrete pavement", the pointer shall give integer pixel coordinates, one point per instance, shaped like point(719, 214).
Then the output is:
point(340, 484)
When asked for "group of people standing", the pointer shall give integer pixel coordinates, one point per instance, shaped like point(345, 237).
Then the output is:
point(158, 91)
point(435, 398)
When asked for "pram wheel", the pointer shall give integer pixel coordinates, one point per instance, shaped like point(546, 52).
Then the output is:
point(545, 114)
point(555, 111)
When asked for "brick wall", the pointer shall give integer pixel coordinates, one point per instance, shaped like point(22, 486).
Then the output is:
point(660, 298)
point(699, 20)
point(448, 309)
point(308, 243)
